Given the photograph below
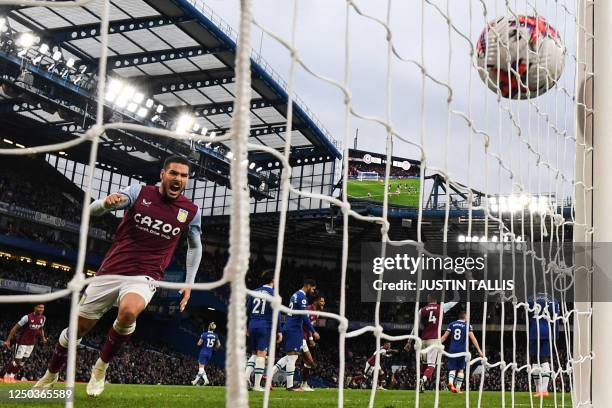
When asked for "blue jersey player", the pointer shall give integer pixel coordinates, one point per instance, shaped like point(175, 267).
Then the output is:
point(458, 331)
point(542, 334)
point(259, 326)
point(209, 341)
point(293, 331)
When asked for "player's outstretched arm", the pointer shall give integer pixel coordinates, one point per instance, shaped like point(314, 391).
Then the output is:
point(474, 341)
point(444, 336)
point(448, 306)
point(124, 198)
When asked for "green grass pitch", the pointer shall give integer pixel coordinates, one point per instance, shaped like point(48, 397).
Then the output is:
point(409, 191)
point(137, 396)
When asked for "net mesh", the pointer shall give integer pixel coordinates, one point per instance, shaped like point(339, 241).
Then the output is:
point(525, 146)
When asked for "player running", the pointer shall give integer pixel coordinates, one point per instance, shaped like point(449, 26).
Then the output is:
point(430, 319)
point(154, 220)
point(29, 327)
point(384, 351)
point(318, 304)
point(458, 331)
point(542, 335)
point(259, 327)
point(209, 341)
point(293, 332)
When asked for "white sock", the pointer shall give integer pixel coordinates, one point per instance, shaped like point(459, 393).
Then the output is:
point(459, 381)
point(200, 373)
point(260, 364)
point(101, 366)
point(203, 375)
point(63, 338)
point(280, 365)
point(545, 377)
point(291, 359)
point(250, 366)
point(536, 376)
point(451, 377)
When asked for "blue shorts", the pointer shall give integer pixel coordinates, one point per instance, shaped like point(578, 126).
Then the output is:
point(204, 358)
point(456, 363)
point(544, 348)
point(259, 339)
point(293, 339)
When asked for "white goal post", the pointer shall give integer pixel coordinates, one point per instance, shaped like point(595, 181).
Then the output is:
point(367, 175)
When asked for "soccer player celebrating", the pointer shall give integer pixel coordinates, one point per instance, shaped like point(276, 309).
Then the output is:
point(368, 372)
point(542, 334)
point(431, 316)
point(259, 327)
point(29, 327)
point(318, 304)
point(293, 332)
point(154, 220)
point(209, 341)
point(458, 331)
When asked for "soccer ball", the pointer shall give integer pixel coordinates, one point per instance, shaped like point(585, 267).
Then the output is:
point(521, 57)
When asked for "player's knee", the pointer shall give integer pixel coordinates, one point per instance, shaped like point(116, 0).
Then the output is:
point(127, 316)
point(84, 326)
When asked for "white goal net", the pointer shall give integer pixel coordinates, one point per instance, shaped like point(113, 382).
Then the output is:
point(422, 81)
point(367, 175)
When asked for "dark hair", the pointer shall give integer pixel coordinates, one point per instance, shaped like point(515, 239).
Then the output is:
point(309, 282)
point(176, 159)
point(317, 296)
point(267, 276)
point(462, 312)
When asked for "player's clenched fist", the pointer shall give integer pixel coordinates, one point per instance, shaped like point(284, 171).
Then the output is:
point(113, 200)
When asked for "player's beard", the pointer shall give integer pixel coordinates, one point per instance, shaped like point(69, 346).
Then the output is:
point(167, 189)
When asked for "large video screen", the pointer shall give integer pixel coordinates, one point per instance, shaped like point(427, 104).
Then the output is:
point(367, 175)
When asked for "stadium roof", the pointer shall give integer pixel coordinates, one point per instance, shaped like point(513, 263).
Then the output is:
point(177, 53)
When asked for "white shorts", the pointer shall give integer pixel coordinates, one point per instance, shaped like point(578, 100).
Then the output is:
point(431, 357)
point(304, 348)
point(23, 351)
point(101, 296)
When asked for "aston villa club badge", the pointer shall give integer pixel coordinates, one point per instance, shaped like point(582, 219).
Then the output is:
point(182, 215)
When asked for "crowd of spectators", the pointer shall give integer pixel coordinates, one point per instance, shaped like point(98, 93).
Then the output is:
point(139, 362)
point(18, 190)
point(29, 272)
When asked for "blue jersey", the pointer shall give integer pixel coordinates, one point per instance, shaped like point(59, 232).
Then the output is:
point(548, 309)
point(296, 322)
point(209, 340)
point(458, 334)
point(259, 311)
